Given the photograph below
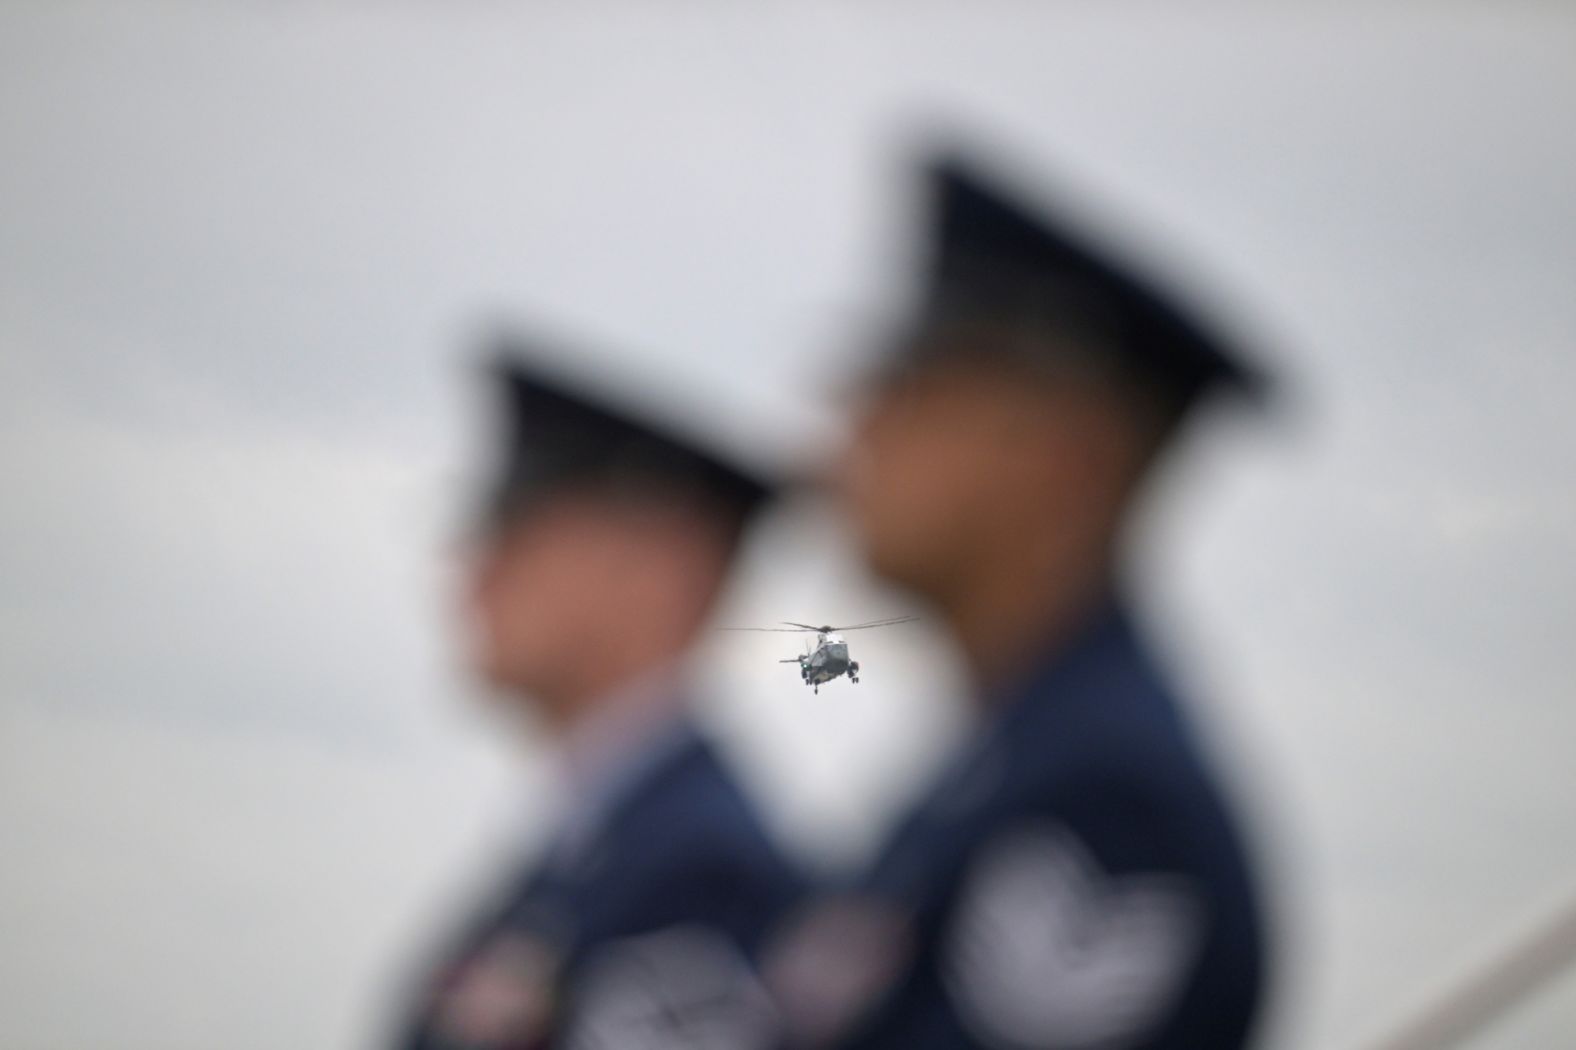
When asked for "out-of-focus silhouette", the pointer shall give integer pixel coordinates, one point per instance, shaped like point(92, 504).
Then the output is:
point(602, 547)
point(1074, 877)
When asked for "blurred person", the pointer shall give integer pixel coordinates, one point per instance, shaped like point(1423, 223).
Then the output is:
point(1074, 878)
point(605, 542)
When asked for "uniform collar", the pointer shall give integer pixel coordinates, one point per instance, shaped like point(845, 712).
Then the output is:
point(628, 736)
point(1105, 626)
point(617, 728)
point(979, 768)
point(1058, 678)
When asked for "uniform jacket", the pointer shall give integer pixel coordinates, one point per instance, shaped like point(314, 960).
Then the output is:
point(1073, 881)
point(639, 937)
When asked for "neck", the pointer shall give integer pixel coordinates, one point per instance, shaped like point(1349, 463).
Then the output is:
point(620, 723)
point(587, 686)
point(1006, 614)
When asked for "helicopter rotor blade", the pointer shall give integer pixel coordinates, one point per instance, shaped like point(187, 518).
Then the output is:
point(781, 630)
point(793, 627)
point(889, 622)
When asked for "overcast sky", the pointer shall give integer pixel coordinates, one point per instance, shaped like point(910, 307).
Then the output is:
point(242, 247)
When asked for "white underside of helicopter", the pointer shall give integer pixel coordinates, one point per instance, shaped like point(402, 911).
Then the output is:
point(827, 661)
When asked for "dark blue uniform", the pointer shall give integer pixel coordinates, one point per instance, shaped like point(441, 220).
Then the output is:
point(1072, 881)
point(637, 937)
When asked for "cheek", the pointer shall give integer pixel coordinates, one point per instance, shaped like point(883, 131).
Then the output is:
point(529, 603)
point(514, 611)
point(908, 486)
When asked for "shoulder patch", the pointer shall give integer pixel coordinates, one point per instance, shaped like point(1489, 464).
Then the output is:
point(1045, 950)
point(503, 994)
point(682, 988)
point(833, 962)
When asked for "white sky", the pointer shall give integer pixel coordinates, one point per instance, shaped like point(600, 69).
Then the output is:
point(240, 248)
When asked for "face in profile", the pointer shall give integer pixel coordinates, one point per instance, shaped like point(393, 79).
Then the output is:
point(952, 462)
point(583, 587)
point(541, 586)
point(926, 455)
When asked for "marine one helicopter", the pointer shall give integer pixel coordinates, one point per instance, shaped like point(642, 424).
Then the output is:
point(829, 659)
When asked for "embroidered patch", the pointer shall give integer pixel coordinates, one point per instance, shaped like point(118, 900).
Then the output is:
point(834, 963)
point(501, 996)
point(1048, 951)
point(683, 988)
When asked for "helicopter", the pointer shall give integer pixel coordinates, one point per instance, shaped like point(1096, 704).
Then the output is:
point(829, 659)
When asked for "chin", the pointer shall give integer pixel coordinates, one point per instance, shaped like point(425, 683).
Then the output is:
point(917, 560)
point(491, 676)
point(895, 537)
point(894, 563)
point(495, 671)
point(511, 695)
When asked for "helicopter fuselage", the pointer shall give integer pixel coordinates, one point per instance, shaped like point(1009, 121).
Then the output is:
point(827, 661)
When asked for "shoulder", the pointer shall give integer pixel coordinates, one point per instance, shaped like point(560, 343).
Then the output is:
point(698, 802)
point(1099, 916)
point(693, 824)
point(684, 898)
point(1105, 891)
point(1133, 792)
point(1108, 745)
point(1047, 944)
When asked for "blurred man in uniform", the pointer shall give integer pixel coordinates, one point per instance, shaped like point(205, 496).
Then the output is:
point(606, 540)
point(1074, 879)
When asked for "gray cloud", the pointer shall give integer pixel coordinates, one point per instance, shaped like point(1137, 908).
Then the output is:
point(240, 247)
